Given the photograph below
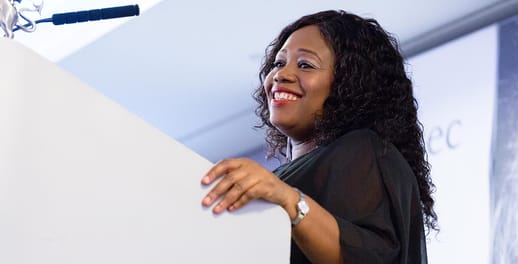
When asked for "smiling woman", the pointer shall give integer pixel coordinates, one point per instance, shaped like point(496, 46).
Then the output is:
point(338, 105)
point(299, 83)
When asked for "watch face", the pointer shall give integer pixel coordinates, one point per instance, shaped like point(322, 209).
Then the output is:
point(303, 207)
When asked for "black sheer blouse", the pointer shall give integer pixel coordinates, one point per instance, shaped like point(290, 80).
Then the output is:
point(370, 189)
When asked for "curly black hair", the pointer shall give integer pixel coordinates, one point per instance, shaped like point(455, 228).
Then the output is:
point(370, 90)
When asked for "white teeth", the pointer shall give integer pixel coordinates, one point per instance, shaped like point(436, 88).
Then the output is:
point(284, 96)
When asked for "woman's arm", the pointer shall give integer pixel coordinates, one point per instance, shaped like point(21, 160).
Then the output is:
point(317, 235)
point(243, 180)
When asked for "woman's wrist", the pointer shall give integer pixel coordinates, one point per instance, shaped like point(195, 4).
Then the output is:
point(290, 204)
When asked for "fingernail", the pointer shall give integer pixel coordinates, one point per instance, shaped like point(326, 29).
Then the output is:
point(205, 179)
point(217, 209)
point(231, 208)
point(207, 200)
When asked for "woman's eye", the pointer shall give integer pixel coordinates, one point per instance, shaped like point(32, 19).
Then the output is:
point(305, 65)
point(278, 64)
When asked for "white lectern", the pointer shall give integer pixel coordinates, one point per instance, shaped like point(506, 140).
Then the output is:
point(82, 180)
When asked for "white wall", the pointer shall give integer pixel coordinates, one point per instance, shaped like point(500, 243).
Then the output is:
point(455, 85)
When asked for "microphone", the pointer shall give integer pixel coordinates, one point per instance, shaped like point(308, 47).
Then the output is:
point(95, 14)
point(85, 16)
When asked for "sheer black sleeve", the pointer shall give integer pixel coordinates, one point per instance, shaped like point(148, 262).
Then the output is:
point(371, 191)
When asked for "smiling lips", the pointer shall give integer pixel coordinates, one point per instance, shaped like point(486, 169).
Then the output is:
point(282, 97)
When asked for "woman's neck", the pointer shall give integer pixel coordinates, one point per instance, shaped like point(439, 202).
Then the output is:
point(299, 148)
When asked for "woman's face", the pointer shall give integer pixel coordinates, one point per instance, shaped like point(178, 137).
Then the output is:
point(300, 82)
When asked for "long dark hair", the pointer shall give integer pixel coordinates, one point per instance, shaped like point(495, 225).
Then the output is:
point(370, 90)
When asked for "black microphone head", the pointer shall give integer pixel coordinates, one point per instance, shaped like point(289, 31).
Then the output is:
point(136, 10)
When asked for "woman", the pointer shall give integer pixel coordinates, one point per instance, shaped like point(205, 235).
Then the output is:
point(338, 105)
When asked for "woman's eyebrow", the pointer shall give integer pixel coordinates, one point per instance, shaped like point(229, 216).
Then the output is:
point(303, 50)
point(310, 52)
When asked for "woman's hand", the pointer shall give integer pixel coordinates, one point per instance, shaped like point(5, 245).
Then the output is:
point(243, 181)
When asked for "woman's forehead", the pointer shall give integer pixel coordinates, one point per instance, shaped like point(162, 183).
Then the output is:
point(308, 40)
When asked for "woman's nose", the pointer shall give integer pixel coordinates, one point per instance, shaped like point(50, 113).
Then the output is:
point(285, 74)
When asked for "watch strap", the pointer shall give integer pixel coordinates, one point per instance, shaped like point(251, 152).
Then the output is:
point(300, 213)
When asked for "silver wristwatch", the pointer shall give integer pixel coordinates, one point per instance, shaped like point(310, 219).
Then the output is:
point(302, 209)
